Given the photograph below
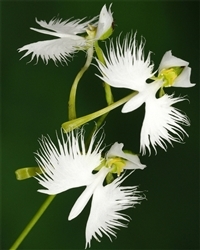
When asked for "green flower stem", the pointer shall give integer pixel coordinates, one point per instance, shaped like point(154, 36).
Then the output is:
point(99, 52)
point(70, 125)
point(32, 222)
point(72, 96)
point(108, 92)
point(97, 125)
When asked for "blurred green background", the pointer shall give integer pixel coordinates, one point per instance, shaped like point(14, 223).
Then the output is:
point(34, 103)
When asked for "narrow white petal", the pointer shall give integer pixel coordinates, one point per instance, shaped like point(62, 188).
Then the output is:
point(56, 49)
point(169, 61)
point(68, 165)
point(133, 161)
point(87, 193)
point(135, 102)
point(68, 26)
point(107, 202)
point(183, 80)
point(105, 22)
point(57, 34)
point(126, 66)
point(162, 123)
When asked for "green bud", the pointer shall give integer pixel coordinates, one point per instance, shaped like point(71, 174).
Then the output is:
point(109, 178)
point(25, 173)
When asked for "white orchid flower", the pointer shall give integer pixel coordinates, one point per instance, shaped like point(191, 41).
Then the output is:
point(71, 165)
point(70, 37)
point(115, 157)
point(126, 67)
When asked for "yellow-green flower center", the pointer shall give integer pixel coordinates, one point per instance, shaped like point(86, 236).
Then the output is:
point(91, 31)
point(116, 165)
point(169, 75)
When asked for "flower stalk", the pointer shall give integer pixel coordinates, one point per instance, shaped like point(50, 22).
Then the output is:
point(34, 220)
point(108, 92)
point(70, 125)
point(72, 96)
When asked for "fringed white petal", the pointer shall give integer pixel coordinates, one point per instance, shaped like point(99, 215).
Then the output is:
point(59, 50)
point(107, 202)
point(68, 26)
point(105, 22)
point(133, 161)
point(69, 165)
point(125, 65)
point(162, 123)
point(169, 61)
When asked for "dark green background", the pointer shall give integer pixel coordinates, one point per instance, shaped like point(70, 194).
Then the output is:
point(34, 102)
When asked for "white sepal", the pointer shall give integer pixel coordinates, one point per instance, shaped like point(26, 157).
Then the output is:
point(169, 61)
point(105, 22)
point(183, 80)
